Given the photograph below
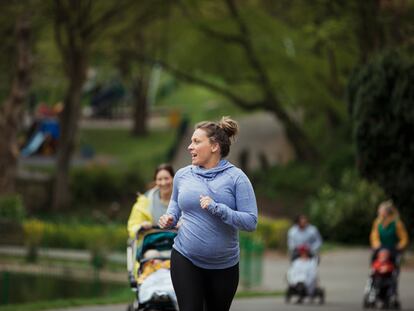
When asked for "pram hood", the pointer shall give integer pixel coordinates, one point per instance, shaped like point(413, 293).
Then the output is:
point(158, 239)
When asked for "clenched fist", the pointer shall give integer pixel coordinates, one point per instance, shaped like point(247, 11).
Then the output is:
point(166, 221)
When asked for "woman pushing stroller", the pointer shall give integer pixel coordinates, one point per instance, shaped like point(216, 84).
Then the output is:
point(148, 268)
point(304, 242)
point(388, 231)
point(150, 206)
point(388, 240)
point(303, 233)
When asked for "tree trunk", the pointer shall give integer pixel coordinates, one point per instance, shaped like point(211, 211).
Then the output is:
point(10, 111)
point(69, 129)
point(369, 30)
point(140, 127)
point(304, 149)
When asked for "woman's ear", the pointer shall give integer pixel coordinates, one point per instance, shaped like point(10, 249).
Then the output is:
point(215, 147)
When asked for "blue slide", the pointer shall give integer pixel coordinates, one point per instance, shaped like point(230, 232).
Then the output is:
point(34, 144)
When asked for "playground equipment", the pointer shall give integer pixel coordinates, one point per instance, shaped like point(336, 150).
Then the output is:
point(44, 138)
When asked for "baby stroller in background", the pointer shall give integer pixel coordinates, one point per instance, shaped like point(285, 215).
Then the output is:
point(381, 288)
point(302, 277)
point(156, 291)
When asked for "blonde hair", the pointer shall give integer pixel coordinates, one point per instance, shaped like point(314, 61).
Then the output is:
point(389, 208)
point(220, 132)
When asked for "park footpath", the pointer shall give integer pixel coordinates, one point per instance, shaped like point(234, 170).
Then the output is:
point(343, 273)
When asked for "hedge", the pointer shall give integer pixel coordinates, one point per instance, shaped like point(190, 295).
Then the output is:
point(113, 237)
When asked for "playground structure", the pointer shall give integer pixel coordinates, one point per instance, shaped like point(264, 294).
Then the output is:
point(43, 134)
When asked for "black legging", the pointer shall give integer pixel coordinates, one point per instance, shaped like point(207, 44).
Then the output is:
point(194, 286)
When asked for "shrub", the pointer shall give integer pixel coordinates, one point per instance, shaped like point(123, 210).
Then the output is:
point(291, 179)
point(345, 214)
point(100, 183)
point(82, 236)
point(12, 208)
point(33, 234)
point(273, 233)
point(287, 187)
point(380, 97)
point(34, 230)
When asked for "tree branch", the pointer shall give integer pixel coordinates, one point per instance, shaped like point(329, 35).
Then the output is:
point(93, 28)
point(228, 38)
point(249, 51)
point(199, 81)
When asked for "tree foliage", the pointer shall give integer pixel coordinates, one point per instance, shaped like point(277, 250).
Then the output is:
point(345, 213)
point(381, 97)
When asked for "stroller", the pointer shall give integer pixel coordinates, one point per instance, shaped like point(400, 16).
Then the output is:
point(302, 277)
point(155, 291)
point(381, 288)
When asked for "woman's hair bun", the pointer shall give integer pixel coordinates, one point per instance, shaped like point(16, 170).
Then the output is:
point(230, 127)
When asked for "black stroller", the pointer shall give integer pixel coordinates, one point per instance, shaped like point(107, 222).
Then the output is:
point(156, 292)
point(382, 289)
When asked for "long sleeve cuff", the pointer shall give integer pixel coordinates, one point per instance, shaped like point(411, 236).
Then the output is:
point(214, 208)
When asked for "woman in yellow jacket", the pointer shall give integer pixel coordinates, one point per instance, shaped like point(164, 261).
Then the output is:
point(388, 231)
point(150, 206)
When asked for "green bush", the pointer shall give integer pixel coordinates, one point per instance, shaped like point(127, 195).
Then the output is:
point(292, 179)
point(288, 187)
point(273, 233)
point(345, 214)
point(97, 238)
point(33, 234)
point(12, 208)
point(80, 236)
point(380, 97)
point(100, 183)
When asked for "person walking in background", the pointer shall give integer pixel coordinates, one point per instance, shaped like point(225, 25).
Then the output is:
point(303, 233)
point(215, 199)
point(150, 206)
point(388, 231)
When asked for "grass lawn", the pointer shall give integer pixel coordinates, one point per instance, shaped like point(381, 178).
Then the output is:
point(200, 104)
point(128, 152)
point(124, 296)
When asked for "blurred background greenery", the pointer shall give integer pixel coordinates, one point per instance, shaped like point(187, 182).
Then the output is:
point(124, 81)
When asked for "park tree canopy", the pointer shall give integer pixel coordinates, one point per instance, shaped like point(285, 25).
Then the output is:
point(381, 97)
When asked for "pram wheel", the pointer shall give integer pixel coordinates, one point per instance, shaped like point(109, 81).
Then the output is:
point(132, 307)
point(368, 304)
point(394, 304)
point(288, 295)
point(301, 291)
point(321, 296)
point(397, 305)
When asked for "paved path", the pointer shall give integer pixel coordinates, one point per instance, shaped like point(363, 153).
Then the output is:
point(261, 136)
point(343, 274)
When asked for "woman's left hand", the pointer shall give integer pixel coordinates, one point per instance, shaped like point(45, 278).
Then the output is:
point(205, 201)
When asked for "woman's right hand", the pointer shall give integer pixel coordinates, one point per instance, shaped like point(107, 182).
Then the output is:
point(166, 221)
point(146, 225)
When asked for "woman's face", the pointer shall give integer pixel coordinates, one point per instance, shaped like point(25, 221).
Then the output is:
point(164, 180)
point(382, 211)
point(201, 149)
